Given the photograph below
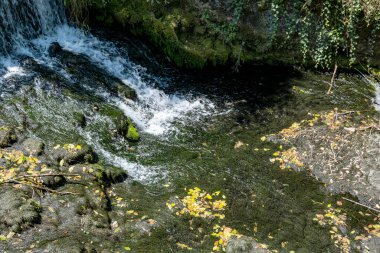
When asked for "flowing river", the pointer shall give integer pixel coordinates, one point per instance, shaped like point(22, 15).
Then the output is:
point(197, 130)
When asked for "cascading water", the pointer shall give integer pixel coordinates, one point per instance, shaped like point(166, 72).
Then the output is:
point(28, 29)
point(21, 20)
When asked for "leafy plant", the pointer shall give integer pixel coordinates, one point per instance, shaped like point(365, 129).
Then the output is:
point(327, 29)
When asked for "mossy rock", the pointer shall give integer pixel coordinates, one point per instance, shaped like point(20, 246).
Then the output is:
point(122, 125)
point(133, 134)
point(126, 92)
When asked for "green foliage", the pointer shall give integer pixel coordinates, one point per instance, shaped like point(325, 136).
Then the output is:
point(226, 30)
point(327, 29)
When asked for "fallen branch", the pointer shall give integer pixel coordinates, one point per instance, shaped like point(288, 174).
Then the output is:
point(333, 78)
point(49, 175)
point(357, 203)
point(34, 186)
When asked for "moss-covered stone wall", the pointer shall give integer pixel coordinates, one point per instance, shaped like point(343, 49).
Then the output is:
point(195, 34)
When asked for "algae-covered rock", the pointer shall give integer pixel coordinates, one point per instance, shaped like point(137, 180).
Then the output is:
point(7, 136)
point(133, 134)
point(126, 92)
point(127, 129)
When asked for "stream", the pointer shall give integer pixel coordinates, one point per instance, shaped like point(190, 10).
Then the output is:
point(197, 130)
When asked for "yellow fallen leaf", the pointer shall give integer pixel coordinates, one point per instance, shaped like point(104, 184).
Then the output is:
point(238, 144)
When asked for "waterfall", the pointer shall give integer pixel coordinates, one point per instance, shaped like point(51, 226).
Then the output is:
point(22, 20)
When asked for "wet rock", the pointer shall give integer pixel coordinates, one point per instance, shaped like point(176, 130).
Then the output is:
point(126, 92)
point(7, 136)
point(54, 49)
point(29, 62)
point(73, 156)
point(17, 210)
point(79, 119)
point(33, 146)
point(114, 175)
point(53, 181)
point(122, 124)
point(127, 129)
point(244, 244)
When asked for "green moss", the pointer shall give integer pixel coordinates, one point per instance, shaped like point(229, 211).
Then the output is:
point(133, 134)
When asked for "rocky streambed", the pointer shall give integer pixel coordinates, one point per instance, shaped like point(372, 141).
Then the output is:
point(100, 155)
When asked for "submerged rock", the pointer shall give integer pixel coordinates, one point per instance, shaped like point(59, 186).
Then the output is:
point(84, 71)
point(54, 49)
point(126, 92)
point(80, 119)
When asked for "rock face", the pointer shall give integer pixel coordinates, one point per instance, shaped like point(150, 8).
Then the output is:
point(195, 33)
point(245, 244)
